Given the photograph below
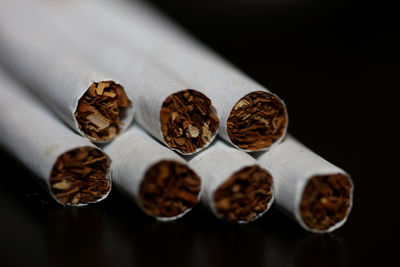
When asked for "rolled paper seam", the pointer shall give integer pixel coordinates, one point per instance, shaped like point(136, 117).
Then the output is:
point(182, 118)
point(72, 169)
point(230, 176)
point(156, 178)
point(93, 103)
point(301, 174)
point(255, 127)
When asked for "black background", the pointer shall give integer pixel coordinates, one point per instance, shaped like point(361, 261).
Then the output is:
point(336, 65)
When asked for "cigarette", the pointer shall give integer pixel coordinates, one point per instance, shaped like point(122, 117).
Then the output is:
point(184, 119)
point(252, 118)
point(187, 119)
point(91, 102)
point(235, 188)
point(157, 179)
point(71, 168)
point(316, 193)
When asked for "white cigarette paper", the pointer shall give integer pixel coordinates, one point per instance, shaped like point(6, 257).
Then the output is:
point(34, 136)
point(156, 178)
point(293, 166)
point(150, 85)
point(54, 73)
point(217, 165)
point(229, 89)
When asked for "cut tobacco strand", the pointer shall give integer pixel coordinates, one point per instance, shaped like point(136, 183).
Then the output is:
point(79, 176)
point(168, 189)
point(244, 195)
point(325, 201)
point(100, 110)
point(188, 121)
point(257, 121)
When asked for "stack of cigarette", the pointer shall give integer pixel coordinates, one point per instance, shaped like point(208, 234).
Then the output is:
point(96, 75)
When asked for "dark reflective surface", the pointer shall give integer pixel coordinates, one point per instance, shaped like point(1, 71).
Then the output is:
point(335, 64)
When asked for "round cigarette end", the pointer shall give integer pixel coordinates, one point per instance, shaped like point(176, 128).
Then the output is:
point(101, 110)
point(188, 121)
point(169, 188)
point(325, 201)
point(245, 195)
point(79, 176)
point(257, 121)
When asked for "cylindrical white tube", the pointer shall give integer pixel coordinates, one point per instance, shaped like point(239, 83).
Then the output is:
point(296, 168)
point(156, 178)
point(252, 118)
point(34, 136)
point(235, 188)
point(60, 77)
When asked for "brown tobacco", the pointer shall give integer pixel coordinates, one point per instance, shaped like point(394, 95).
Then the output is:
point(188, 121)
point(99, 110)
point(325, 201)
point(168, 189)
point(79, 176)
point(244, 195)
point(256, 121)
